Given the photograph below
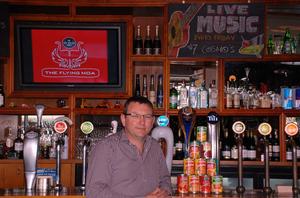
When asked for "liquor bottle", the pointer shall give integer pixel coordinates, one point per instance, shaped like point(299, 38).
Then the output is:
point(148, 42)
point(245, 145)
point(183, 96)
point(173, 97)
point(270, 146)
point(226, 146)
point(9, 144)
point(156, 42)
point(138, 42)
point(286, 43)
point(260, 149)
point(137, 91)
point(145, 91)
point(275, 147)
point(236, 97)
point(2, 96)
point(289, 150)
point(193, 95)
point(252, 147)
point(270, 45)
point(152, 94)
point(229, 97)
point(213, 95)
point(297, 141)
point(160, 93)
point(202, 97)
point(18, 144)
point(179, 153)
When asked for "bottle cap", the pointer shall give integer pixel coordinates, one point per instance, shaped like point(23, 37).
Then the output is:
point(87, 127)
point(60, 127)
point(238, 127)
point(291, 129)
point(264, 129)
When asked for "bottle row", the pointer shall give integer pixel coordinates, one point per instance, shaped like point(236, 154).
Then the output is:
point(12, 147)
point(283, 44)
point(193, 96)
point(147, 46)
point(155, 95)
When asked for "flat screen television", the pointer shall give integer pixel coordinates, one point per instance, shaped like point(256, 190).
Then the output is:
point(69, 56)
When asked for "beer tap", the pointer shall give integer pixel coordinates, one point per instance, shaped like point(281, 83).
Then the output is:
point(86, 128)
point(291, 129)
point(187, 120)
point(60, 126)
point(213, 137)
point(165, 132)
point(239, 127)
point(265, 129)
point(30, 151)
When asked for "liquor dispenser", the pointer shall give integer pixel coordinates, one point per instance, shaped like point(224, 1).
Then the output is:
point(291, 129)
point(86, 128)
point(187, 120)
point(213, 136)
point(60, 126)
point(239, 127)
point(265, 129)
point(165, 132)
point(30, 151)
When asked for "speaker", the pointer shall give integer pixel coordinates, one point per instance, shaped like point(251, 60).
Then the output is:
point(4, 30)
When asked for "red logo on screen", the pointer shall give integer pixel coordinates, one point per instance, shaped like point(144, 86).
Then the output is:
point(70, 56)
point(69, 53)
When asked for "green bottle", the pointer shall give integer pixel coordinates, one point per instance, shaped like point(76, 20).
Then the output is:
point(287, 42)
point(173, 97)
point(270, 45)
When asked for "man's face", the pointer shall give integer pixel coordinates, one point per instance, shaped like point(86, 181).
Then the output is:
point(138, 121)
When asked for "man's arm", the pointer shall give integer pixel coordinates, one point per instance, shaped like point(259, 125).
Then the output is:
point(99, 173)
point(165, 178)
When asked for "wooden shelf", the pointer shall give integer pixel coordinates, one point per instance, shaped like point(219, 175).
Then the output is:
point(27, 111)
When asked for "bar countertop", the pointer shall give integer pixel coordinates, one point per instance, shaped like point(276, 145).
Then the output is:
point(77, 193)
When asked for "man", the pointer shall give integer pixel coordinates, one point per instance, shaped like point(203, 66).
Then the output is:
point(129, 163)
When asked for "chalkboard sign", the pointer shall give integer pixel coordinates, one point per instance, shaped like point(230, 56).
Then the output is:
point(216, 30)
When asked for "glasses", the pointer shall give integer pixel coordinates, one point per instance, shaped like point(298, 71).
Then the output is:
point(136, 116)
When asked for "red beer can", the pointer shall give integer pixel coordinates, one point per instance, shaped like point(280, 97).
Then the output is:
point(211, 167)
point(194, 150)
point(194, 184)
point(188, 166)
point(200, 166)
point(182, 184)
point(205, 185)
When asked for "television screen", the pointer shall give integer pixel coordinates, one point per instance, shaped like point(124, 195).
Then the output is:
point(70, 56)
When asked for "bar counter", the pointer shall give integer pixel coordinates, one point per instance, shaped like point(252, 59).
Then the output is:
point(77, 193)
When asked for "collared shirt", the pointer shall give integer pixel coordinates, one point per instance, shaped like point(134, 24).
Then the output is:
point(116, 169)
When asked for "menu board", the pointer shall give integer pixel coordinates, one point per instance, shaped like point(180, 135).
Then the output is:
point(216, 30)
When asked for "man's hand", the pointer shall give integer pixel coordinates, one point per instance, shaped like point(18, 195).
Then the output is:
point(158, 193)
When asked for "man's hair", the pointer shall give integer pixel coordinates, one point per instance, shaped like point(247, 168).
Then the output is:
point(138, 99)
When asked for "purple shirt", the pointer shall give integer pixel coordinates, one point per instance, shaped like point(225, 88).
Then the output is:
point(116, 169)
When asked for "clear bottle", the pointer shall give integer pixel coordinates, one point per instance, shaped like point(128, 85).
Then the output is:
point(229, 96)
point(152, 94)
point(226, 146)
point(145, 91)
point(213, 95)
point(183, 96)
point(270, 139)
point(202, 97)
point(9, 144)
point(137, 91)
point(173, 101)
point(193, 95)
point(2, 96)
point(156, 42)
point(138, 41)
point(148, 42)
point(18, 144)
point(160, 93)
point(289, 151)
